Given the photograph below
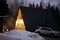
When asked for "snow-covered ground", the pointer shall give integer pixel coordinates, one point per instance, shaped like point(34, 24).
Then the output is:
point(20, 35)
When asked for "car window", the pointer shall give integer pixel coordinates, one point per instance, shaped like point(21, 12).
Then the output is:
point(46, 29)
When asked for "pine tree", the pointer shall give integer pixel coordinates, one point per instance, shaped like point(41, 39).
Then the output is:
point(41, 7)
point(30, 5)
point(33, 5)
point(48, 6)
point(37, 6)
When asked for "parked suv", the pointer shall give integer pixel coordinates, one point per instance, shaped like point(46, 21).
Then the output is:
point(46, 31)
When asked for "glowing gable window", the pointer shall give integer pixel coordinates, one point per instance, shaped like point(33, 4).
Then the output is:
point(19, 22)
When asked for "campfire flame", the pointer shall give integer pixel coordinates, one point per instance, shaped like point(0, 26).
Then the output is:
point(19, 22)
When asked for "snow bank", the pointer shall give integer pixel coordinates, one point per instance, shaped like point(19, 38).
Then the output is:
point(20, 35)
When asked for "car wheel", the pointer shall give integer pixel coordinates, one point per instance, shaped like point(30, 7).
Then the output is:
point(38, 32)
point(52, 35)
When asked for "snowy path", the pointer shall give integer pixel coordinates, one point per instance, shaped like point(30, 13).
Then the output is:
point(20, 35)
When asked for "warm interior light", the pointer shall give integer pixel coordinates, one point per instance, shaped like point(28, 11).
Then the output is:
point(19, 22)
point(5, 30)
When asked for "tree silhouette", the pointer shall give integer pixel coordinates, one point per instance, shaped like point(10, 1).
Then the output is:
point(30, 5)
point(37, 6)
point(41, 7)
point(33, 5)
point(48, 6)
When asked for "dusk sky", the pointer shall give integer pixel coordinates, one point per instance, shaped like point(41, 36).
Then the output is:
point(52, 2)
